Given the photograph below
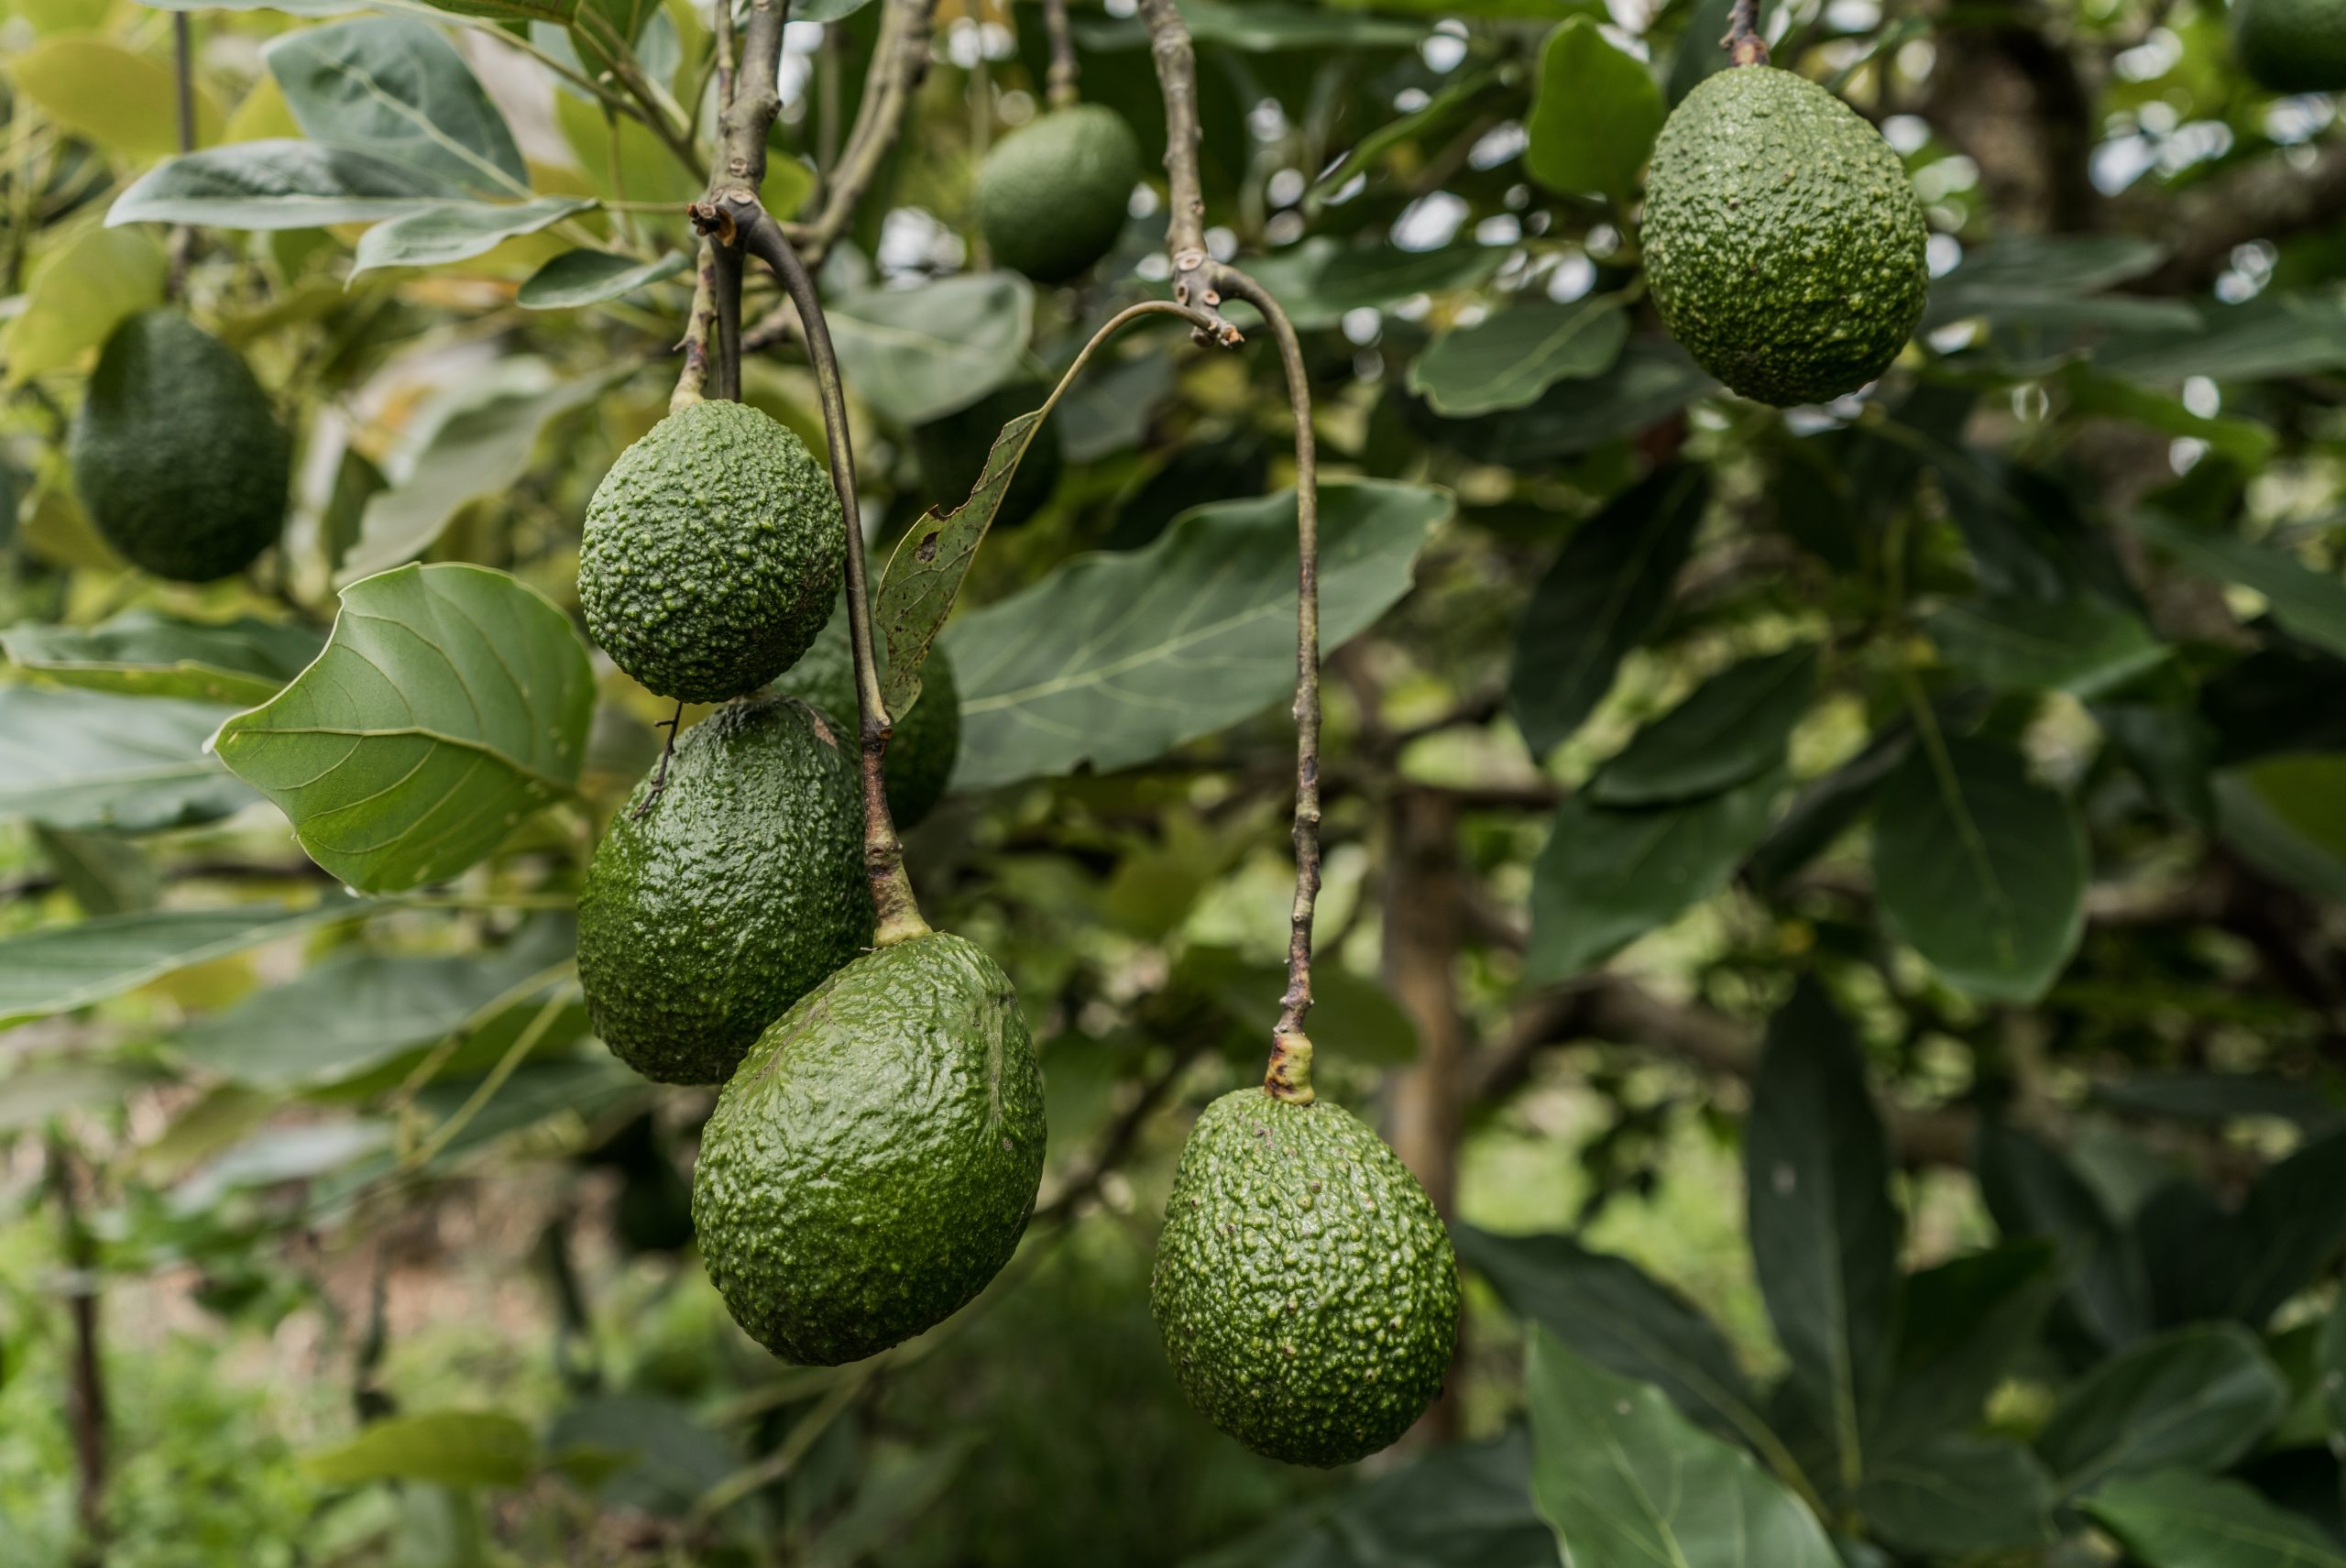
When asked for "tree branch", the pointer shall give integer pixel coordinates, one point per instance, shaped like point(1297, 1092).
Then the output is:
point(1185, 224)
point(899, 62)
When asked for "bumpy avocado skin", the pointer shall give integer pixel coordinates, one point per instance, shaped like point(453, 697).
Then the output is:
point(2292, 45)
point(1052, 197)
point(926, 741)
point(713, 551)
point(1305, 1287)
point(177, 455)
point(953, 451)
point(703, 920)
point(1783, 241)
point(875, 1161)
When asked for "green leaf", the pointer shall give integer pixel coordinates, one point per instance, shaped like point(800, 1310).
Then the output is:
point(1610, 874)
point(457, 232)
point(82, 290)
point(1507, 359)
point(589, 277)
point(1962, 1327)
point(146, 653)
point(29, 1096)
point(2020, 277)
point(1824, 1234)
point(2194, 1399)
point(1320, 281)
point(1189, 635)
point(1959, 1496)
point(2332, 1361)
point(1595, 113)
point(477, 443)
point(93, 762)
point(1611, 1312)
point(2083, 645)
point(1734, 727)
point(123, 102)
point(665, 1459)
point(59, 968)
point(2032, 1190)
point(2291, 1228)
point(106, 876)
point(450, 702)
point(1981, 869)
point(2175, 1519)
point(916, 355)
point(1630, 1483)
point(1825, 808)
point(2310, 604)
point(2248, 443)
point(277, 185)
point(2279, 333)
point(1652, 381)
point(397, 88)
point(360, 1007)
point(2281, 813)
point(452, 1448)
point(1607, 591)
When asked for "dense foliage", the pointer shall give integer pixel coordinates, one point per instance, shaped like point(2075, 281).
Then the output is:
point(1839, 906)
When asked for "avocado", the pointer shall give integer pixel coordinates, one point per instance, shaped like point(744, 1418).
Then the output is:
point(177, 456)
point(1783, 241)
point(713, 553)
point(926, 741)
point(953, 450)
point(1052, 197)
point(874, 1163)
point(2292, 45)
point(704, 918)
point(1305, 1288)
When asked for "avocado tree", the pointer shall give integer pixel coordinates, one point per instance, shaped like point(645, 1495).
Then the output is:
point(1477, 783)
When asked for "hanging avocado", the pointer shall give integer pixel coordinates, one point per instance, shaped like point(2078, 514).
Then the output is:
point(1052, 197)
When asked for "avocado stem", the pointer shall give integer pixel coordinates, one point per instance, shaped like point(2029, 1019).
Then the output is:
point(1064, 70)
point(898, 913)
point(1743, 43)
point(181, 244)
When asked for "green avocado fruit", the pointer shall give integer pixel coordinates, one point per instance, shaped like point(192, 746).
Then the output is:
point(874, 1163)
point(2292, 45)
point(1783, 242)
point(713, 553)
point(177, 456)
point(1305, 1287)
point(926, 741)
point(703, 920)
point(1052, 197)
point(953, 450)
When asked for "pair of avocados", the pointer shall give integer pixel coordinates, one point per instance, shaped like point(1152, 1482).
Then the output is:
point(877, 1148)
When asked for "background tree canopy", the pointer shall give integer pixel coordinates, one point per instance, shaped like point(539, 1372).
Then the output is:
point(1840, 907)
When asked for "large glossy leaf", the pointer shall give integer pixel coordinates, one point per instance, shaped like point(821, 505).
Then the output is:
point(458, 232)
point(589, 277)
point(145, 653)
point(1455, 1506)
point(2310, 604)
point(2029, 277)
point(451, 702)
point(2291, 1228)
point(1320, 281)
point(1613, 1313)
point(1606, 592)
point(123, 101)
point(1824, 1234)
point(2176, 1519)
point(2280, 332)
point(82, 290)
point(916, 355)
point(1651, 380)
point(2033, 1192)
point(95, 762)
point(1959, 1496)
point(1113, 659)
point(1609, 875)
point(1628, 1483)
point(397, 87)
point(278, 185)
point(361, 1006)
point(1826, 808)
point(478, 444)
point(1980, 868)
point(1962, 1326)
point(1595, 113)
point(1734, 727)
point(454, 1448)
point(1507, 360)
point(2194, 1399)
point(2083, 645)
point(59, 968)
